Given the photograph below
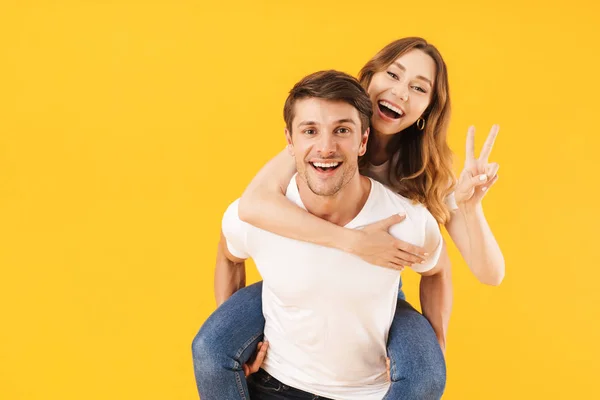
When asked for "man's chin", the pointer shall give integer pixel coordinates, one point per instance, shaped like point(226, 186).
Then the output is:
point(323, 188)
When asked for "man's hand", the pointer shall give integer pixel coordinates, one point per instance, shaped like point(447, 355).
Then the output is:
point(478, 175)
point(256, 361)
point(387, 365)
point(375, 245)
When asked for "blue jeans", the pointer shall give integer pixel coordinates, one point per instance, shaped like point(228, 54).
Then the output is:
point(230, 335)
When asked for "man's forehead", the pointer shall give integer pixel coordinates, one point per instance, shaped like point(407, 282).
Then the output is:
point(323, 111)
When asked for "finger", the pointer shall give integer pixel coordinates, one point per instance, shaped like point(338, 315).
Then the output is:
point(260, 357)
point(487, 187)
point(405, 258)
point(387, 367)
point(478, 180)
point(491, 170)
point(470, 155)
point(246, 370)
point(409, 248)
point(394, 265)
point(391, 220)
point(489, 144)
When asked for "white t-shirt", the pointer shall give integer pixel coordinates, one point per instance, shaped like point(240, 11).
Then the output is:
point(328, 312)
point(381, 173)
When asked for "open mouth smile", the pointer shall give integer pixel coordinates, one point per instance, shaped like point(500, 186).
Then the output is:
point(389, 110)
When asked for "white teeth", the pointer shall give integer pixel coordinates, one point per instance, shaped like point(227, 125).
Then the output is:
point(326, 165)
point(391, 107)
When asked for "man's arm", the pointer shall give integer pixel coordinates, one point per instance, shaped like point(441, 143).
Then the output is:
point(436, 296)
point(230, 273)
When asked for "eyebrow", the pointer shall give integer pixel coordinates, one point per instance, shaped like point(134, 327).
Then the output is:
point(339, 121)
point(397, 64)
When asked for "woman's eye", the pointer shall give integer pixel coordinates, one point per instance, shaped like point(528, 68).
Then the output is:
point(420, 89)
point(393, 75)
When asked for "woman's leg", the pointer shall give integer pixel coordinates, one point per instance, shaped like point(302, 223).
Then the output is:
point(417, 365)
point(225, 342)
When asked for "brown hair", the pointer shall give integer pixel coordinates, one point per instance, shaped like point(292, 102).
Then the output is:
point(423, 170)
point(330, 85)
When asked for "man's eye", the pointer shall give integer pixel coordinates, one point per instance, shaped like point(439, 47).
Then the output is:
point(309, 131)
point(343, 130)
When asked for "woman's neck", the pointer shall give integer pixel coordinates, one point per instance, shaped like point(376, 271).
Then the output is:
point(378, 143)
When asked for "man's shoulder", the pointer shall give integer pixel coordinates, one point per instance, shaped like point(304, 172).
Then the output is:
point(387, 199)
point(385, 192)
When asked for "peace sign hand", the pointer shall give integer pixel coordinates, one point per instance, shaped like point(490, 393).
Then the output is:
point(478, 175)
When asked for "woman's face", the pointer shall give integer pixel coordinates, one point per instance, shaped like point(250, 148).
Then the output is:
point(401, 92)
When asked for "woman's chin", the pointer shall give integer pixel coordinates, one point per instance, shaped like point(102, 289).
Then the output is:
point(384, 128)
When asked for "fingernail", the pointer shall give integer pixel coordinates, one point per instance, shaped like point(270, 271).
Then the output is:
point(423, 262)
point(483, 177)
point(483, 189)
point(425, 254)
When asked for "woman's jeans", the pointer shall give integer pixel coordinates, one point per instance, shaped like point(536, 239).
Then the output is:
point(229, 338)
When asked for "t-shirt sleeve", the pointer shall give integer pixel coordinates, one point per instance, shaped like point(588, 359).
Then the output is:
point(235, 231)
point(433, 244)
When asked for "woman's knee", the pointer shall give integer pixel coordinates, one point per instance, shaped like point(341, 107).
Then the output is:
point(416, 356)
point(207, 354)
point(226, 338)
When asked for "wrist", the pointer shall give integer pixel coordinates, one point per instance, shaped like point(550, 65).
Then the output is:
point(350, 240)
point(469, 210)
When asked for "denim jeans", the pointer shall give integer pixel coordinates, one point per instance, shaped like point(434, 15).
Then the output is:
point(265, 387)
point(230, 335)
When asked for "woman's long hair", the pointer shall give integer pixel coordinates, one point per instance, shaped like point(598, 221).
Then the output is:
point(423, 167)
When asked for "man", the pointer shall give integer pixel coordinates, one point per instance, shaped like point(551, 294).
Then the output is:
point(327, 313)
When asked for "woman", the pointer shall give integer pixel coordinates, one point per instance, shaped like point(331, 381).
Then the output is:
point(407, 150)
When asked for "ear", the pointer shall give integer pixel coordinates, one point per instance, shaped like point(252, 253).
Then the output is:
point(290, 145)
point(363, 142)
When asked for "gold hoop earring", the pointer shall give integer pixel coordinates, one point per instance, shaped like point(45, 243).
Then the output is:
point(421, 124)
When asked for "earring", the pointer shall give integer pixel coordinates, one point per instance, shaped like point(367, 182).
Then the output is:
point(421, 124)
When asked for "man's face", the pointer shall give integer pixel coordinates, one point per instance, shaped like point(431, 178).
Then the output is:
point(326, 141)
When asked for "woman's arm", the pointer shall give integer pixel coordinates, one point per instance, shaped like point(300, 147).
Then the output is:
point(265, 206)
point(474, 239)
point(468, 227)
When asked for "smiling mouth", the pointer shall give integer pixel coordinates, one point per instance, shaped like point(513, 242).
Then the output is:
point(389, 110)
point(325, 167)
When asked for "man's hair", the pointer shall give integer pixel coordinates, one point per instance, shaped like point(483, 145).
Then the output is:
point(330, 85)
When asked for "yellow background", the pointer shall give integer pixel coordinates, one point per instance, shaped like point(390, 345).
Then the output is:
point(127, 127)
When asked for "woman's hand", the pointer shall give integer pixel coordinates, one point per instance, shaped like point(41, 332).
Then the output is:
point(375, 245)
point(478, 176)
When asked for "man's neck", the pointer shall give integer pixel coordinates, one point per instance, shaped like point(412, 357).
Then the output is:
point(340, 208)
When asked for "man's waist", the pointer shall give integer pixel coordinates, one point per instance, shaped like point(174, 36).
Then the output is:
point(345, 364)
point(373, 388)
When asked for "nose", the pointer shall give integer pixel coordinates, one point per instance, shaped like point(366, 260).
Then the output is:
point(400, 91)
point(326, 145)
